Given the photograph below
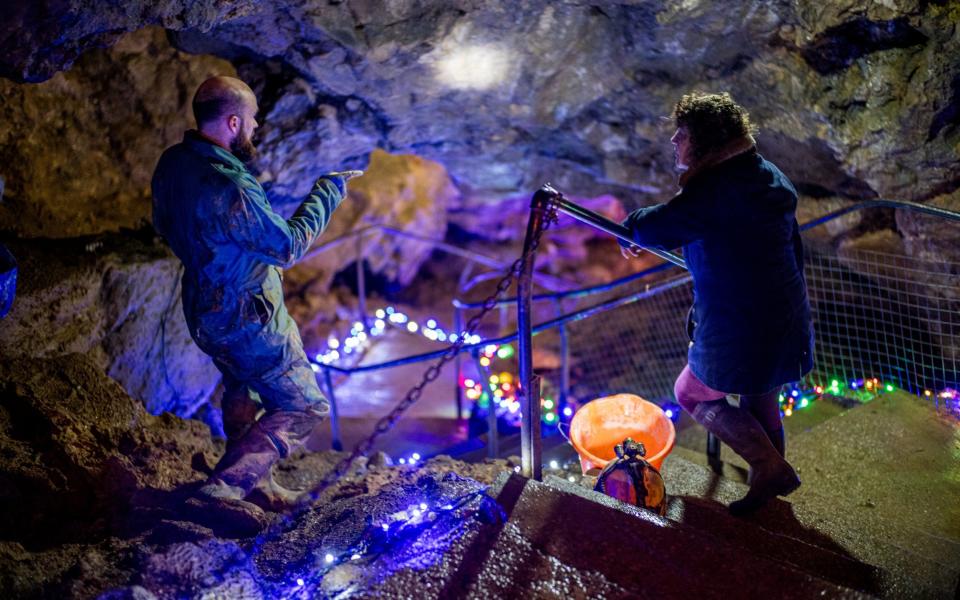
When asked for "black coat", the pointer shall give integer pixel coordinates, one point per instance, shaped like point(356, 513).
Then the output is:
point(740, 238)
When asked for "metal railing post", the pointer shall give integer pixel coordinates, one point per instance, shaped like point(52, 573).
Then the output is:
point(530, 443)
point(493, 434)
point(361, 284)
point(458, 329)
point(334, 413)
point(564, 358)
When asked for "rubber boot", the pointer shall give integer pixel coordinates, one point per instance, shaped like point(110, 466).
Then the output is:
point(778, 439)
point(268, 440)
point(239, 413)
point(737, 428)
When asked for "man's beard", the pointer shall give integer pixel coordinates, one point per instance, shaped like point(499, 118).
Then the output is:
point(242, 147)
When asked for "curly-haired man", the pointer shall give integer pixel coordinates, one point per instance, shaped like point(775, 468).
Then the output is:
point(750, 323)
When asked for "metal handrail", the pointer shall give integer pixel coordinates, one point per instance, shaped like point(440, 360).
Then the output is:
point(935, 211)
point(604, 287)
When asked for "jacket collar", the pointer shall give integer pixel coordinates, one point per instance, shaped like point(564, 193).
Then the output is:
point(716, 156)
point(205, 147)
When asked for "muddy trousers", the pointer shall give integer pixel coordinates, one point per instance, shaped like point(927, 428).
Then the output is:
point(254, 445)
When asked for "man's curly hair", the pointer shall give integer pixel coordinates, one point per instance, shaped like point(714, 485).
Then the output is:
point(712, 120)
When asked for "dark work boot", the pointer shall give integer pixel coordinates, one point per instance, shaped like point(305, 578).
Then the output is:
point(772, 475)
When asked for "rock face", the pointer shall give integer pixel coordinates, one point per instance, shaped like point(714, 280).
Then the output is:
point(404, 192)
point(117, 300)
point(80, 157)
point(92, 494)
point(491, 98)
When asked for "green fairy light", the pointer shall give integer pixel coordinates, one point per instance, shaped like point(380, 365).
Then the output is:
point(505, 352)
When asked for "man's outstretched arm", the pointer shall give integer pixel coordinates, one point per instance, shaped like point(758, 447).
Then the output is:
point(254, 225)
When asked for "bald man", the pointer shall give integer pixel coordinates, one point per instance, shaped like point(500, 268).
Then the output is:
point(216, 217)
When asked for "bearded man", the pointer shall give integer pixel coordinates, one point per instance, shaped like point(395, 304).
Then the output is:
point(218, 221)
point(751, 324)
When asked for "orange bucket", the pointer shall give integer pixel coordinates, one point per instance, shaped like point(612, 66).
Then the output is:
point(605, 422)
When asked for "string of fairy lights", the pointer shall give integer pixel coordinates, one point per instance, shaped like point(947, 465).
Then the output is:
point(406, 524)
point(496, 382)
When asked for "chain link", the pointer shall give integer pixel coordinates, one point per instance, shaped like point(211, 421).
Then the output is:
point(387, 422)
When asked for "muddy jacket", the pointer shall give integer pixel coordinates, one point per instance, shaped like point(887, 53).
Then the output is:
point(216, 217)
point(736, 224)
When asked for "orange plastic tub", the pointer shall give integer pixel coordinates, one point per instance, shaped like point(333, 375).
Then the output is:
point(603, 423)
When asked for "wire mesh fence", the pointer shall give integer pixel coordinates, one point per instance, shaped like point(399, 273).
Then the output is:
point(637, 348)
point(885, 318)
point(882, 319)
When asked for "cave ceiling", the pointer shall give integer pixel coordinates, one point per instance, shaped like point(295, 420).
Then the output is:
point(853, 100)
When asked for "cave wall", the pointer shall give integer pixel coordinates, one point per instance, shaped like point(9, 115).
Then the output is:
point(116, 300)
point(78, 150)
